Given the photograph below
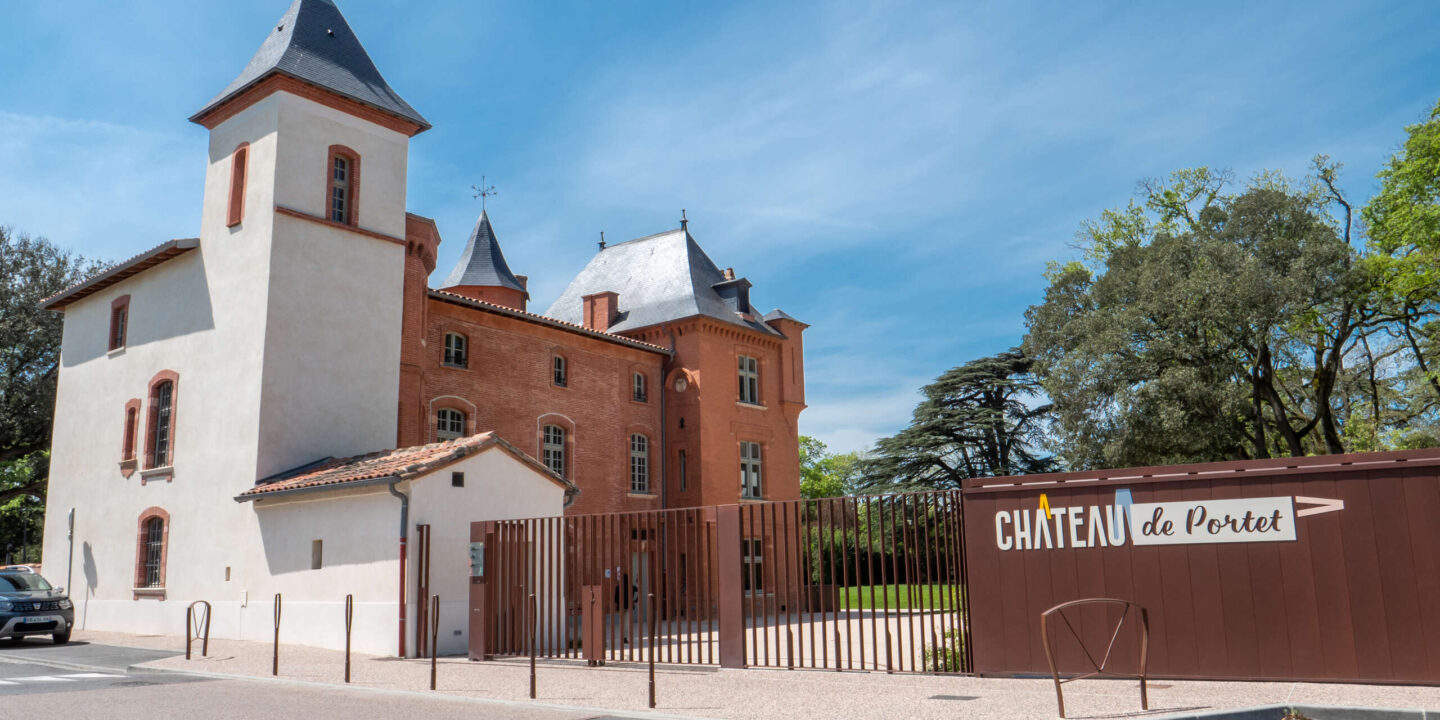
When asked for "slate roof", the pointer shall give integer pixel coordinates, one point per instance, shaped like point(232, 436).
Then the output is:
point(134, 266)
point(312, 42)
point(388, 466)
point(659, 278)
point(482, 263)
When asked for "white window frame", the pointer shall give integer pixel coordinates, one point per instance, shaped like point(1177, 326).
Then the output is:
point(639, 464)
point(552, 448)
point(452, 418)
point(456, 351)
point(340, 188)
point(752, 559)
point(748, 371)
point(751, 471)
point(559, 371)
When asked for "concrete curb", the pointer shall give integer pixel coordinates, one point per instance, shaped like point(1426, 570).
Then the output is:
point(599, 711)
point(1314, 712)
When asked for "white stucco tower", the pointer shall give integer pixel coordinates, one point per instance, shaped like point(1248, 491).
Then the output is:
point(321, 214)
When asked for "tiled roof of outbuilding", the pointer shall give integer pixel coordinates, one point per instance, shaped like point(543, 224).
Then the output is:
point(390, 465)
point(659, 278)
point(482, 263)
point(120, 271)
point(312, 42)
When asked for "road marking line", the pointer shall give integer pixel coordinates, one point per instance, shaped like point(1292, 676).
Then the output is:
point(88, 675)
point(41, 678)
point(8, 682)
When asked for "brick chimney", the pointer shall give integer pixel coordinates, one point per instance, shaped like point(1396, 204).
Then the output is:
point(601, 310)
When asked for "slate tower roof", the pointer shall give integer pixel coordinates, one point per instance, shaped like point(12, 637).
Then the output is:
point(482, 263)
point(313, 43)
point(659, 278)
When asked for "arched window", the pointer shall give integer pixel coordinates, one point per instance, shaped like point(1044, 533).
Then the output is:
point(450, 424)
point(639, 464)
point(637, 388)
point(343, 187)
point(552, 449)
point(160, 431)
point(456, 350)
point(151, 550)
point(238, 166)
point(132, 419)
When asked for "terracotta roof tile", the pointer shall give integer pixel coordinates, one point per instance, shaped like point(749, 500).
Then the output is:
point(401, 463)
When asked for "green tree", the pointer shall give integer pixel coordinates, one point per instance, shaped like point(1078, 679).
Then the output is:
point(984, 418)
point(31, 269)
point(1203, 325)
point(1403, 220)
point(826, 474)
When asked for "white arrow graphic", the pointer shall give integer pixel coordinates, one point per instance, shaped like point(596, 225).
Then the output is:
point(1325, 505)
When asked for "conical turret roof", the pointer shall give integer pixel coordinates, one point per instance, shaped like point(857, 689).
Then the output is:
point(482, 264)
point(313, 43)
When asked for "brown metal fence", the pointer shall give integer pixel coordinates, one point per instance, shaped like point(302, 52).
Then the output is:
point(854, 583)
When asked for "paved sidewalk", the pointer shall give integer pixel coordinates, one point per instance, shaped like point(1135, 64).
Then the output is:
point(742, 694)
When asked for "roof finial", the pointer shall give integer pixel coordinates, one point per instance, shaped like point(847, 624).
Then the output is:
point(483, 191)
point(602, 239)
point(683, 222)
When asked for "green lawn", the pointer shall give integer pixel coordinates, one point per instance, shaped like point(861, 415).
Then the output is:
point(899, 597)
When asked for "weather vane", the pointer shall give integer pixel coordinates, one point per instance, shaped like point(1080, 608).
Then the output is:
point(483, 191)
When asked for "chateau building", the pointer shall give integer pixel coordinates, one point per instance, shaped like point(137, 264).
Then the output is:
point(259, 409)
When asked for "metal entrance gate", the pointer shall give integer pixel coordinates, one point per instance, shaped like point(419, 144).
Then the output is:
point(853, 583)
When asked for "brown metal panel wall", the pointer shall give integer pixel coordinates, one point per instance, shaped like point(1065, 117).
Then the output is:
point(1355, 598)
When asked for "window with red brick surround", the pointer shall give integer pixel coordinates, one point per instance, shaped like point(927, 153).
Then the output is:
point(342, 185)
point(119, 321)
point(128, 435)
point(239, 165)
point(556, 441)
point(160, 422)
point(443, 411)
point(152, 543)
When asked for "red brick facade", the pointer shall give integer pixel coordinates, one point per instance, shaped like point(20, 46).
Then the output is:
point(507, 386)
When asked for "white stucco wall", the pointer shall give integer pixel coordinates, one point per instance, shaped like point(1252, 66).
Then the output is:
point(497, 487)
point(285, 335)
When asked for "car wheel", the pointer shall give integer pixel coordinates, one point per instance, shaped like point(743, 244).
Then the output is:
point(61, 638)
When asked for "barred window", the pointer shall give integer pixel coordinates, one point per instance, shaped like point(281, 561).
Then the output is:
point(160, 429)
point(639, 464)
point(552, 451)
point(154, 552)
point(456, 350)
point(749, 380)
point(449, 424)
point(752, 573)
point(750, 468)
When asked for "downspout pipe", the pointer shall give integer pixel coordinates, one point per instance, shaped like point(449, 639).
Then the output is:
point(404, 532)
point(664, 389)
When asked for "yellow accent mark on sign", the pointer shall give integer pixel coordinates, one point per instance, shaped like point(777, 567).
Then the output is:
point(1045, 505)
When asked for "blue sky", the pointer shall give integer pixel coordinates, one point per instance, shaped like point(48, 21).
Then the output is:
point(894, 174)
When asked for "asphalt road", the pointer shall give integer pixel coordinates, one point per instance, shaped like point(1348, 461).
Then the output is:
point(29, 689)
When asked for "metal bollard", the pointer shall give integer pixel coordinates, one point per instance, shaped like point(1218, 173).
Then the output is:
point(652, 651)
point(434, 634)
point(275, 659)
point(349, 622)
point(531, 616)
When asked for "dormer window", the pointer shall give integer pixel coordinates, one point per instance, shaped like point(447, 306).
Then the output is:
point(456, 350)
point(638, 393)
point(344, 184)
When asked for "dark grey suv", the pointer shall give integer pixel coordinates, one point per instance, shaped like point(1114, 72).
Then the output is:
point(30, 606)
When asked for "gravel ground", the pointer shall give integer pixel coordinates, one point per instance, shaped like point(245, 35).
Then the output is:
point(755, 693)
